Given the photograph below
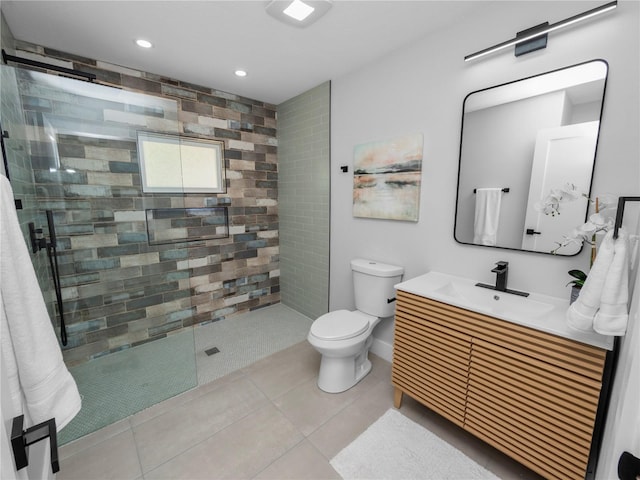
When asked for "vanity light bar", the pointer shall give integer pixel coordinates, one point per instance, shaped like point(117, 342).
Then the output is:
point(550, 28)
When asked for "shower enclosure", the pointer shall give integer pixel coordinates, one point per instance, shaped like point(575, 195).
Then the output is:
point(126, 259)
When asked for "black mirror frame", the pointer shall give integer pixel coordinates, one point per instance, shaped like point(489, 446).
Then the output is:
point(595, 154)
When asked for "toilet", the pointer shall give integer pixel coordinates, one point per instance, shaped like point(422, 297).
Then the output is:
point(344, 337)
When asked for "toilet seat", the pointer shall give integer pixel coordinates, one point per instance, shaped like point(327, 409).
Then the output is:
point(339, 325)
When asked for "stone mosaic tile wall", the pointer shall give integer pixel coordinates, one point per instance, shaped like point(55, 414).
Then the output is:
point(119, 290)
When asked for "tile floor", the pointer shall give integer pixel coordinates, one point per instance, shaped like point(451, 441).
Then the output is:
point(265, 421)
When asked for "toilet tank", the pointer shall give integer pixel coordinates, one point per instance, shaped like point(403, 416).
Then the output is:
point(373, 285)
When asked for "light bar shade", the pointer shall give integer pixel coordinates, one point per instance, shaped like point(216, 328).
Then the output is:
point(550, 28)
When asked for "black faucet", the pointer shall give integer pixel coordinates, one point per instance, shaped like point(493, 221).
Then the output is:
point(501, 270)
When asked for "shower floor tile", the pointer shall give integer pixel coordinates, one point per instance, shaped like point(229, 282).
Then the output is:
point(116, 386)
point(244, 339)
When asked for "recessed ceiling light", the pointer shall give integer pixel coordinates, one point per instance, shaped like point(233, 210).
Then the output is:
point(144, 43)
point(298, 10)
point(240, 73)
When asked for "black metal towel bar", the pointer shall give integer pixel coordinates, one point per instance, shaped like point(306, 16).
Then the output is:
point(22, 439)
point(504, 190)
point(620, 212)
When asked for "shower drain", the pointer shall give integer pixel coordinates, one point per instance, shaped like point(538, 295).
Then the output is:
point(212, 351)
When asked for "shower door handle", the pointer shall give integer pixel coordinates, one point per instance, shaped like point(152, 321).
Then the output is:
point(52, 253)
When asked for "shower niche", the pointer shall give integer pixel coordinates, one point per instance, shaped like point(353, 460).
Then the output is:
point(175, 225)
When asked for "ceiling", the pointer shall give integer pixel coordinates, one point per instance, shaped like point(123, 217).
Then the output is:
point(204, 42)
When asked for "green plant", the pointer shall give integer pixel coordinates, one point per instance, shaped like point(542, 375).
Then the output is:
point(579, 278)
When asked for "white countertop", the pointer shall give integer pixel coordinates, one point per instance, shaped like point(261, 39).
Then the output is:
point(540, 312)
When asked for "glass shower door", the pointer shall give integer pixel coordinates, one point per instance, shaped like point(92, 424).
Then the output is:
point(123, 305)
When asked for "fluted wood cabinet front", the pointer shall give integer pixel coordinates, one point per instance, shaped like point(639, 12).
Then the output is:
point(430, 359)
point(532, 395)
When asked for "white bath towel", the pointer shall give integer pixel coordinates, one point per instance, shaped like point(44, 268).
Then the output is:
point(39, 382)
point(487, 215)
point(613, 315)
point(581, 313)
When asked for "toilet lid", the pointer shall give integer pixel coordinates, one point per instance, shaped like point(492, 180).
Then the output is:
point(339, 325)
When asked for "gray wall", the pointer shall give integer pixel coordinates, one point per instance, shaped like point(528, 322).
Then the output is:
point(8, 41)
point(303, 197)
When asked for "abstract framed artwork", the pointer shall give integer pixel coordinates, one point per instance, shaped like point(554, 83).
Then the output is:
point(387, 178)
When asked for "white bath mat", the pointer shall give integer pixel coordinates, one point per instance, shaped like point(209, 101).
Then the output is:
point(395, 447)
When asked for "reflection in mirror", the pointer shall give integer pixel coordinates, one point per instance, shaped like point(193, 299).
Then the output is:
point(528, 136)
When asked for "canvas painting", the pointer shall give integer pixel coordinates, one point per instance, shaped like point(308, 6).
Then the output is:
point(387, 177)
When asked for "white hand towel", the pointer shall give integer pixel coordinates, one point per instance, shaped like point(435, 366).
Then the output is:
point(613, 315)
point(582, 312)
point(487, 215)
point(30, 350)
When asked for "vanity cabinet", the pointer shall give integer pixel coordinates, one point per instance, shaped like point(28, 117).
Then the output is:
point(530, 394)
point(428, 352)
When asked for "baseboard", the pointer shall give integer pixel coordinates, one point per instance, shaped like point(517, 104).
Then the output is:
point(382, 349)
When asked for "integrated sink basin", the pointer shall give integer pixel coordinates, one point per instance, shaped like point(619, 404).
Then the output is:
point(541, 312)
point(495, 303)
